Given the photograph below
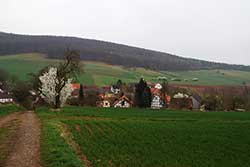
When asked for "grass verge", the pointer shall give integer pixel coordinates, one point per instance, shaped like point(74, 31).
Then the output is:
point(10, 108)
point(55, 151)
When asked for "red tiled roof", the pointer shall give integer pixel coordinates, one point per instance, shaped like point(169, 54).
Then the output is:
point(125, 98)
point(155, 91)
point(75, 86)
point(168, 98)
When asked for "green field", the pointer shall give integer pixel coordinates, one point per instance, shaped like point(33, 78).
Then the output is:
point(101, 137)
point(103, 74)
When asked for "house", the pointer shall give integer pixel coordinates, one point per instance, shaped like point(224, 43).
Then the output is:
point(167, 100)
point(123, 102)
point(180, 96)
point(106, 104)
point(181, 101)
point(115, 90)
point(158, 86)
point(105, 92)
point(5, 97)
point(75, 89)
point(155, 91)
point(156, 102)
point(104, 100)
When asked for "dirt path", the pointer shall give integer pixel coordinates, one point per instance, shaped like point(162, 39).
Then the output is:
point(26, 151)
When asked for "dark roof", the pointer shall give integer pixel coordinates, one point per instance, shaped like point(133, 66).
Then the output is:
point(197, 97)
point(104, 89)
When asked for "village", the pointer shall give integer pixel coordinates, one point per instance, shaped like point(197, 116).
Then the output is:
point(162, 95)
point(120, 96)
point(123, 96)
point(156, 95)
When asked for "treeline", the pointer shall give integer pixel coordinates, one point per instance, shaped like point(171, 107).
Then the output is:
point(54, 47)
point(227, 99)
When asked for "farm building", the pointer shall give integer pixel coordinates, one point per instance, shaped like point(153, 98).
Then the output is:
point(123, 102)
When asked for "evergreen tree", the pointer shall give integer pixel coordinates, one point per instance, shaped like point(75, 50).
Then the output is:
point(119, 84)
point(164, 91)
point(81, 94)
point(147, 97)
point(142, 94)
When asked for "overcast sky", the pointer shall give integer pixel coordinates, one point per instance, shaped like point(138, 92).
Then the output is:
point(215, 30)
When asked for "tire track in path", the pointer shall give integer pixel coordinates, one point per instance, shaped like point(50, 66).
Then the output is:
point(26, 152)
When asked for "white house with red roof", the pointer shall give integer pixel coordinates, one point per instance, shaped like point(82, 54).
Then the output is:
point(156, 102)
point(123, 102)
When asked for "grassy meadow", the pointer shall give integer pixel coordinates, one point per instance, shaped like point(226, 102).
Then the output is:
point(103, 74)
point(98, 137)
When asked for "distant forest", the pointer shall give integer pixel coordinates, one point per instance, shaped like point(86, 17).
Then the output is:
point(111, 53)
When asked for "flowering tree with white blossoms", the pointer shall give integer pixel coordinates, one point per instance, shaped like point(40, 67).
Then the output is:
point(49, 83)
point(55, 82)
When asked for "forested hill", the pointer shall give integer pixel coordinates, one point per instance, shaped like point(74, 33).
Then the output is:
point(94, 50)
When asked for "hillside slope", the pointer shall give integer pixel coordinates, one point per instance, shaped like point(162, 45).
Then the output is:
point(97, 73)
point(111, 53)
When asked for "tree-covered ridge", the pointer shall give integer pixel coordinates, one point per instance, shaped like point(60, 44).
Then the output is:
point(94, 50)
